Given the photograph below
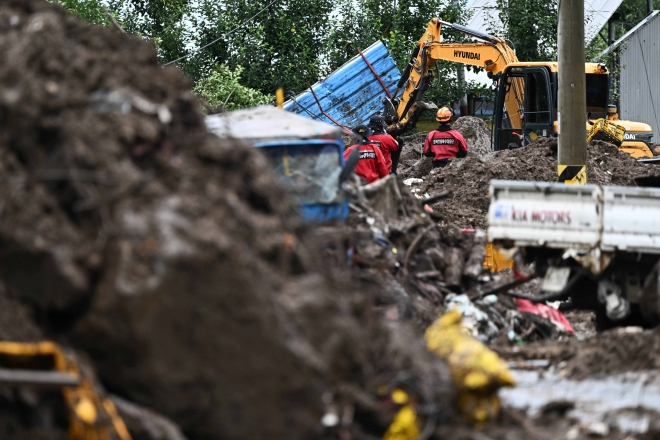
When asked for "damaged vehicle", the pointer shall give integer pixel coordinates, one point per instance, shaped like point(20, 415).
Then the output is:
point(598, 246)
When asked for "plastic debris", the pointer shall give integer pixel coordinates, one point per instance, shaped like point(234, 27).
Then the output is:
point(554, 315)
point(476, 370)
point(409, 182)
point(495, 261)
point(405, 425)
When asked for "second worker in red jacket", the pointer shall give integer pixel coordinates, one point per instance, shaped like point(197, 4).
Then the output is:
point(444, 144)
point(371, 165)
point(388, 145)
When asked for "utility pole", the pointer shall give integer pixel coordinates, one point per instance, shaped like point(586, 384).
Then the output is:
point(462, 104)
point(572, 157)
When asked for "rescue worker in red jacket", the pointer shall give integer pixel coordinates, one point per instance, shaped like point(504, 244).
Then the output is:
point(388, 145)
point(371, 165)
point(444, 144)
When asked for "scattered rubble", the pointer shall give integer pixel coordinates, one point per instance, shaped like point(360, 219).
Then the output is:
point(620, 350)
point(436, 266)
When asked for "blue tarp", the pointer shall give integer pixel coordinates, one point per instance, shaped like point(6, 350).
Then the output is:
point(351, 94)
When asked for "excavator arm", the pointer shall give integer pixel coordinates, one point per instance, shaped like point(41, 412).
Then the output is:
point(490, 53)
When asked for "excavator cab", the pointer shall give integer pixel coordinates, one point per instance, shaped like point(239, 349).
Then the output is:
point(527, 111)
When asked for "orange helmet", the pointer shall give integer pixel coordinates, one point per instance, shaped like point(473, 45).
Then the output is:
point(444, 114)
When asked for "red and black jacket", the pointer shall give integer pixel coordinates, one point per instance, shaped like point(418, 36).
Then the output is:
point(387, 144)
point(371, 165)
point(445, 143)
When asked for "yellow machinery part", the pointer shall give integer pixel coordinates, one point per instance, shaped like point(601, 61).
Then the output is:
point(607, 131)
point(404, 426)
point(91, 417)
point(636, 149)
point(495, 261)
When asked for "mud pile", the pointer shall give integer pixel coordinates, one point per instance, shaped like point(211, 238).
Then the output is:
point(425, 260)
point(468, 179)
point(618, 350)
point(413, 163)
point(173, 258)
point(476, 133)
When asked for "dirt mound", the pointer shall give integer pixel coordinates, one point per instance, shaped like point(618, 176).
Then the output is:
point(17, 320)
point(614, 351)
point(468, 179)
point(172, 258)
point(606, 165)
point(476, 133)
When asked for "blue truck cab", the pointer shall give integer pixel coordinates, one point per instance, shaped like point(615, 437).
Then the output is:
point(306, 154)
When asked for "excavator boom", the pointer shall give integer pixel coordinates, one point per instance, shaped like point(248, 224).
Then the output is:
point(491, 53)
point(526, 105)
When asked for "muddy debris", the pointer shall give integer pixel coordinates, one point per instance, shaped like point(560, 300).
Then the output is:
point(172, 258)
point(468, 179)
point(175, 261)
point(425, 266)
point(619, 350)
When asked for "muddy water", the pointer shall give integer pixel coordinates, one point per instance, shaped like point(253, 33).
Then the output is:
point(628, 402)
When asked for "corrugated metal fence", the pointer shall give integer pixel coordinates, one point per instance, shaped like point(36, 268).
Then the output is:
point(351, 94)
point(640, 75)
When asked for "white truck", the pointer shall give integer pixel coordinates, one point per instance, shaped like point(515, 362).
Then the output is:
point(597, 246)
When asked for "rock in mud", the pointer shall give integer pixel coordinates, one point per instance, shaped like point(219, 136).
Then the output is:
point(476, 134)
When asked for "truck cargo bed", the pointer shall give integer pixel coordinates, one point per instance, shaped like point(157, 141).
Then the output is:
point(555, 215)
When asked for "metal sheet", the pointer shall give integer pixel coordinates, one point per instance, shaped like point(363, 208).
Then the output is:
point(596, 14)
point(544, 214)
point(640, 83)
point(38, 378)
point(630, 219)
point(351, 94)
point(268, 123)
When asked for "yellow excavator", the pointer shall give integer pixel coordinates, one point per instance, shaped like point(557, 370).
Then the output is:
point(526, 95)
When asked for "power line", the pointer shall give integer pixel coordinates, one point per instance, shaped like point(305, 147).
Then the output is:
point(223, 36)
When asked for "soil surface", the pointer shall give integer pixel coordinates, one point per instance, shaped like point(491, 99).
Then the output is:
point(468, 179)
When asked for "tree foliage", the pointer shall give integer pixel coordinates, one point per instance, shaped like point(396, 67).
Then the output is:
point(399, 24)
point(88, 10)
point(280, 47)
point(531, 25)
point(278, 43)
point(222, 90)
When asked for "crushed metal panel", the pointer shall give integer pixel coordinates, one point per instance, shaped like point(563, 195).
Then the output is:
point(351, 94)
point(268, 123)
point(640, 64)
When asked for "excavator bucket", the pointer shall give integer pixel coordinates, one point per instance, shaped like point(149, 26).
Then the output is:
point(413, 114)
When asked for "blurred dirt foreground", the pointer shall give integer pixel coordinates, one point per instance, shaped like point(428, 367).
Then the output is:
point(170, 257)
